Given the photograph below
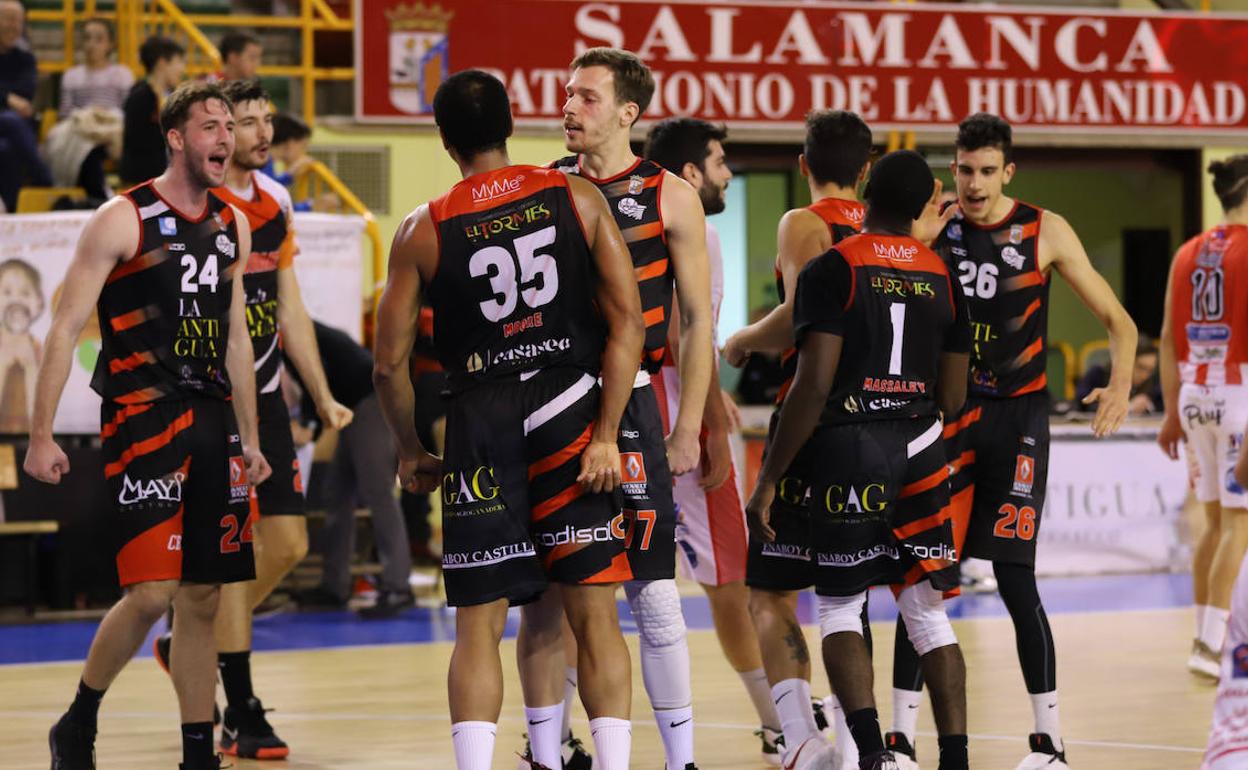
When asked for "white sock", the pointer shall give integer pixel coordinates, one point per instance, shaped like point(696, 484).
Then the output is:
point(1201, 609)
point(676, 728)
point(569, 697)
point(474, 744)
point(797, 721)
point(844, 738)
point(1044, 706)
point(906, 712)
point(613, 742)
point(1213, 629)
point(760, 694)
point(545, 738)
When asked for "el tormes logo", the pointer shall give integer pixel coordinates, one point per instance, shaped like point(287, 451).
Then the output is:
point(508, 223)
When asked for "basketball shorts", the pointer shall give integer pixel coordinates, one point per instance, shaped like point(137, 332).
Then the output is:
point(646, 482)
point(1228, 739)
point(176, 470)
point(710, 526)
point(1213, 419)
point(879, 506)
point(513, 514)
point(998, 450)
point(785, 563)
point(282, 493)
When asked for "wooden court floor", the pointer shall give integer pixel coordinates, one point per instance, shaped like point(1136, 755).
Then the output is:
point(1127, 703)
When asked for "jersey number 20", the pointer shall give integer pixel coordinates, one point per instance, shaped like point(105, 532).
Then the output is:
point(538, 280)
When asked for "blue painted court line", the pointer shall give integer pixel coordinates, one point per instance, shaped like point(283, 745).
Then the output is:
point(47, 642)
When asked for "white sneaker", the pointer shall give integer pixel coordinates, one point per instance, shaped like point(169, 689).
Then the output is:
point(903, 751)
point(773, 745)
point(1044, 755)
point(814, 753)
point(978, 577)
point(1204, 662)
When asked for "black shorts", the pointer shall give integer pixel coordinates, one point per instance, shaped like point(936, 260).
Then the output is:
point(282, 493)
point(785, 563)
point(879, 506)
point(646, 480)
point(176, 470)
point(1000, 448)
point(513, 514)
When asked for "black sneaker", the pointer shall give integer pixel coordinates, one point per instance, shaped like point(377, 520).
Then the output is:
point(389, 604)
point(575, 757)
point(319, 598)
point(72, 745)
point(898, 743)
point(246, 734)
point(161, 648)
point(213, 764)
point(1043, 753)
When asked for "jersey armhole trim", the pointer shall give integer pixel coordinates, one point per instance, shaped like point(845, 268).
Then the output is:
point(138, 250)
point(567, 188)
point(1044, 277)
point(658, 203)
point(437, 235)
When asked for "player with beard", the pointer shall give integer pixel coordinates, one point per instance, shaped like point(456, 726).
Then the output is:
point(178, 422)
point(710, 527)
point(279, 327)
point(835, 160)
point(1004, 252)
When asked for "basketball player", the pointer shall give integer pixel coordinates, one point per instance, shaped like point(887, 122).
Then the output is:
point(1004, 251)
point(661, 218)
point(1204, 371)
point(834, 160)
point(518, 263)
point(178, 422)
point(278, 324)
point(710, 528)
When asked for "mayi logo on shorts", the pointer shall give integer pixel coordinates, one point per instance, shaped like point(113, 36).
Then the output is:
point(166, 490)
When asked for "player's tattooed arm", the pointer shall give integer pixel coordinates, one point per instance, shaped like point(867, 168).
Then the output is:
point(800, 237)
point(414, 252)
point(685, 222)
point(110, 236)
point(1171, 431)
point(240, 362)
point(1060, 247)
point(620, 303)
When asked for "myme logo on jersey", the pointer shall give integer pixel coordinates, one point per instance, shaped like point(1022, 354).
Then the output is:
point(631, 208)
point(536, 212)
point(497, 188)
point(167, 489)
point(895, 252)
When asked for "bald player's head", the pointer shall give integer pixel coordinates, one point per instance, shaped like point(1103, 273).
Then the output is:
point(12, 23)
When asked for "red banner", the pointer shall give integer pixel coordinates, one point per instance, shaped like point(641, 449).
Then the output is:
point(765, 64)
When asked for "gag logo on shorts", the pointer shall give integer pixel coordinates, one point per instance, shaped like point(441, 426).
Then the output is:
point(569, 535)
point(872, 499)
point(163, 490)
point(793, 491)
point(462, 489)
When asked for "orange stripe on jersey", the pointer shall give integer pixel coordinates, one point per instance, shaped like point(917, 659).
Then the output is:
point(618, 572)
point(132, 361)
point(568, 453)
point(227, 215)
point(1037, 384)
point(923, 524)
point(1017, 323)
point(961, 461)
point(654, 315)
point(133, 318)
point(642, 232)
point(922, 485)
point(110, 428)
point(1031, 229)
point(964, 422)
point(138, 264)
point(1031, 351)
point(1022, 281)
point(656, 269)
point(142, 395)
point(149, 445)
point(621, 187)
point(547, 507)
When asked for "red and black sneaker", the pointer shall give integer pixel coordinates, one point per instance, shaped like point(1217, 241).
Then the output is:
point(246, 734)
point(161, 650)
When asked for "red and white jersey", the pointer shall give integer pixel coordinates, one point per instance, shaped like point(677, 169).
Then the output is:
point(716, 258)
point(1228, 738)
point(1209, 307)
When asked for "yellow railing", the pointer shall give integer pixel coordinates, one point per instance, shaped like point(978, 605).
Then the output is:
point(135, 20)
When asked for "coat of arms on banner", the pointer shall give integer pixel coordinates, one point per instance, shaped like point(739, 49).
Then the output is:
point(419, 54)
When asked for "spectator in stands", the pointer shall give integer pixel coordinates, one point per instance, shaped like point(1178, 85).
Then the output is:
point(1145, 382)
point(291, 137)
point(362, 471)
point(19, 131)
point(90, 128)
point(143, 145)
point(240, 56)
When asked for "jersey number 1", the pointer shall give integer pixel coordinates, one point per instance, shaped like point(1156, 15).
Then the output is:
point(539, 276)
point(897, 311)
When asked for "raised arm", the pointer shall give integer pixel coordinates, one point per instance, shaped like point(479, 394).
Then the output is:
point(110, 236)
point(620, 304)
point(801, 237)
point(414, 244)
point(685, 224)
point(1061, 248)
point(240, 361)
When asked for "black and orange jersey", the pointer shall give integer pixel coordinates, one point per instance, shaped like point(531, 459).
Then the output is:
point(268, 210)
point(1007, 298)
point(843, 218)
point(633, 196)
point(894, 303)
point(1209, 307)
point(514, 289)
point(165, 313)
